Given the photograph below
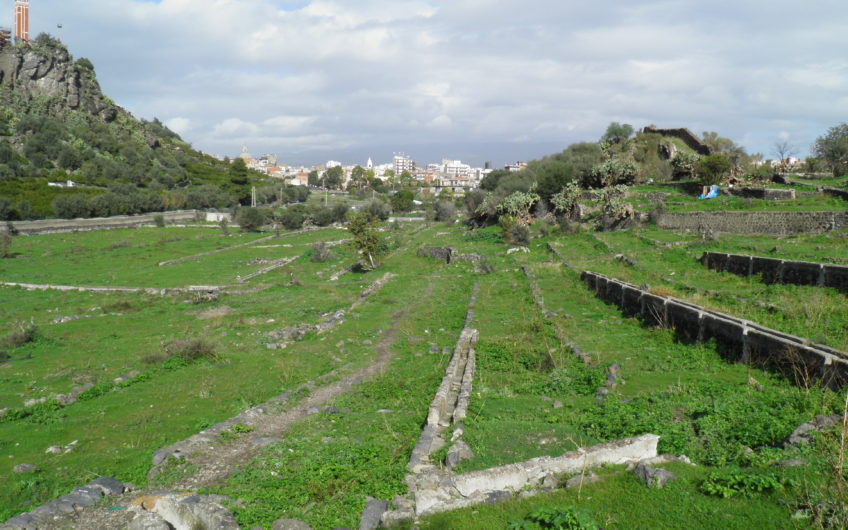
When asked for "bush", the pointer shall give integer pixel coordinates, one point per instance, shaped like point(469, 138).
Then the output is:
point(159, 220)
point(445, 211)
point(250, 219)
point(291, 218)
point(71, 206)
point(22, 333)
point(711, 169)
point(5, 245)
point(191, 349)
point(518, 234)
point(378, 209)
point(321, 252)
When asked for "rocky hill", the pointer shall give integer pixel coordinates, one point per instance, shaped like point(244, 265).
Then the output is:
point(47, 72)
point(56, 125)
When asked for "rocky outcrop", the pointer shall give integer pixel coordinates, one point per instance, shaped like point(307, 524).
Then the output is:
point(50, 73)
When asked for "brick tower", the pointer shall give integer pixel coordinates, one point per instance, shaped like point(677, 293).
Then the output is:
point(21, 20)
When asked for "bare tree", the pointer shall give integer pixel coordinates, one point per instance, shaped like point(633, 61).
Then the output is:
point(783, 150)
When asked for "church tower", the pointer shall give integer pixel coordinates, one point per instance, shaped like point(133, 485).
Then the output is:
point(21, 20)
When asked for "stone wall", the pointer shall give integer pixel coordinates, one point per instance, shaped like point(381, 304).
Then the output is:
point(780, 271)
point(59, 226)
point(772, 223)
point(684, 134)
point(769, 194)
point(836, 192)
point(737, 339)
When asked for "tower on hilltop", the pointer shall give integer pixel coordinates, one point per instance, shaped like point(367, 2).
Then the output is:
point(21, 20)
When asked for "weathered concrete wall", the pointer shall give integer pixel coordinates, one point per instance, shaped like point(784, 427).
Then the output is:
point(775, 223)
point(769, 194)
point(737, 339)
point(686, 135)
point(779, 271)
point(60, 226)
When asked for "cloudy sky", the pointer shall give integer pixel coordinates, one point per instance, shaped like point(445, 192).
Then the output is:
point(496, 80)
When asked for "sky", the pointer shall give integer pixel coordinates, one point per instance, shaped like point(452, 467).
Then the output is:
point(477, 80)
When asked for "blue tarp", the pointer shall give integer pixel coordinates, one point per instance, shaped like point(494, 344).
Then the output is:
point(712, 193)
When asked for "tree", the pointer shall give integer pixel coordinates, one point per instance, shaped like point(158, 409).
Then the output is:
point(832, 148)
point(314, 178)
point(333, 177)
point(783, 150)
point(366, 239)
point(617, 132)
point(250, 219)
point(239, 180)
point(358, 178)
point(402, 201)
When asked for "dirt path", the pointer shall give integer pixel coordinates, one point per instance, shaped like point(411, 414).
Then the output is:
point(214, 466)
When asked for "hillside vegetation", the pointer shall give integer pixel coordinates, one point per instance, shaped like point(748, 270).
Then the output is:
point(56, 125)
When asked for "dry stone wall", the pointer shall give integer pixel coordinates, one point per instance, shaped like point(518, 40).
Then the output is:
point(687, 136)
point(771, 223)
point(740, 340)
point(60, 226)
point(779, 271)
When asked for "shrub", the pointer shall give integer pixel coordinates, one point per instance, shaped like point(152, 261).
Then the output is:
point(5, 245)
point(711, 169)
point(225, 226)
point(555, 518)
point(321, 252)
point(518, 234)
point(250, 219)
point(191, 349)
point(22, 333)
point(445, 211)
point(291, 218)
point(159, 220)
point(378, 209)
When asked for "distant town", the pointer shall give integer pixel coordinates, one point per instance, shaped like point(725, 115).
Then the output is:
point(447, 175)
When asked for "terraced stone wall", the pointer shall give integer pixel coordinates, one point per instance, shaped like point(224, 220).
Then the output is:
point(58, 226)
point(779, 271)
point(737, 339)
point(771, 223)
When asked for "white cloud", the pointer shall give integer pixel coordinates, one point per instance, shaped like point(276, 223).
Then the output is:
point(319, 79)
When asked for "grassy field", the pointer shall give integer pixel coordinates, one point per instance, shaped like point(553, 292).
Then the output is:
point(532, 395)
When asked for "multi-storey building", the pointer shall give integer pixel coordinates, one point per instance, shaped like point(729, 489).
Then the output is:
point(21, 20)
point(403, 163)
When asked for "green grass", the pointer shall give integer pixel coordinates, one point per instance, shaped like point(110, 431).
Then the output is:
point(726, 417)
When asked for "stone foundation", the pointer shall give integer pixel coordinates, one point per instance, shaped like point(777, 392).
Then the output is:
point(772, 223)
point(779, 271)
point(737, 339)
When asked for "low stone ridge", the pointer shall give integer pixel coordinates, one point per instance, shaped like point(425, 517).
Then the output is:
point(77, 499)
point(443, 491)
point(439, 253)
point(163, 291)
point(804, 433)
point(63, 226)
point(653, 477)
point(769, 223)
point(768, 194)
point(746, 341)
point(779, 271)
point(374, 510)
